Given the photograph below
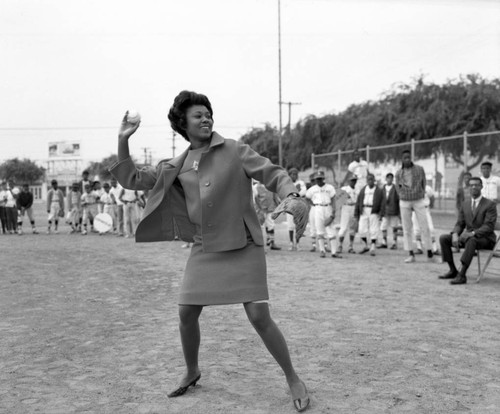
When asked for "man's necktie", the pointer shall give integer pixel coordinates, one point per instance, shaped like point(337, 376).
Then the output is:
point(473, 206)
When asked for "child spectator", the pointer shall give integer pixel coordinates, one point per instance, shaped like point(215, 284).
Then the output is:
point(25, 206)
point(89, 205)
point(391, 217)
point(129, 199)
point(3, 211)
point(107, 200)
point(75, 208)
point(301, 190)
point(55, 206)
point(98, 192)
point(82, 183)
point(117, 208)
point(11, 206)
point(370, 207)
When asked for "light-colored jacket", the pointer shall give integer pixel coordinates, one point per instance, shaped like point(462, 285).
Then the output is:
point(225, 175)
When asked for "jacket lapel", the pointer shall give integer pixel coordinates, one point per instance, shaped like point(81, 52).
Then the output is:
point(474, 214)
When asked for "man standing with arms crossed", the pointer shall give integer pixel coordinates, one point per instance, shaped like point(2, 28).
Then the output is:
point(491, 184)
point(410, 185)
point(359, 168)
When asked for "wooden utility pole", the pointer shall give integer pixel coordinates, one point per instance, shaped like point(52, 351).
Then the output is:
point(289, 127)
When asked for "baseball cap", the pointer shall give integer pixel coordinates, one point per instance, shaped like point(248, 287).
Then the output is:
point(319, 174)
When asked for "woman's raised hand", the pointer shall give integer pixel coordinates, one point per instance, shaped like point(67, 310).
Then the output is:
point(127, 129)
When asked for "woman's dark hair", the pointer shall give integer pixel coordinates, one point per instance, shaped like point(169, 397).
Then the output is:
point(182, 102)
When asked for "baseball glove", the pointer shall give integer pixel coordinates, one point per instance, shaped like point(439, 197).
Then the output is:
point(298, 208)
point(329, 220)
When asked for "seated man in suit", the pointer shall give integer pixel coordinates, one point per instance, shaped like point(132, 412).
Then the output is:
point(474, 230)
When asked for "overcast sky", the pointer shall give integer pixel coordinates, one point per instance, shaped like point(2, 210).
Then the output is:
point(70, 69)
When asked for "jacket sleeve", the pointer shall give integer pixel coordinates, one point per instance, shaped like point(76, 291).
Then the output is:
point(460, 224)
point(275, 178)
point(488, 225)
point(132, 178)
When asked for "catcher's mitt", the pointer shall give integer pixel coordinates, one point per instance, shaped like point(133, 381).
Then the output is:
point(329, 221)
point(298, 208)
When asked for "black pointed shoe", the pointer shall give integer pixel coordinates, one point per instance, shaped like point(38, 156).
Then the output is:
point(301, 404)
point(182, 390)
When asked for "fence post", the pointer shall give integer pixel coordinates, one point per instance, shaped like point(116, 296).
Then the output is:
point(367, 153)
point(312, 161)
point(412, 149)
point(340, 167)
point(465, 151)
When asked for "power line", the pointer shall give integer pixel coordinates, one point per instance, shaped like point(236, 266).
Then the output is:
point(90, 128)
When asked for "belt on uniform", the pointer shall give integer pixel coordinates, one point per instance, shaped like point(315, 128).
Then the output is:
point(322, 205)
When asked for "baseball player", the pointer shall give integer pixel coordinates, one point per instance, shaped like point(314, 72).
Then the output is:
point(89, 205)
point(25, 206)
point(347, 220)
point(55, 206)
point(322, 197)
point(312, 227)
point(74, 207)
point(301, 190)
point(265, 203)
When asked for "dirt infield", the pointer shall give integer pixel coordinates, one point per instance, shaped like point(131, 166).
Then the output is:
point(89, 325)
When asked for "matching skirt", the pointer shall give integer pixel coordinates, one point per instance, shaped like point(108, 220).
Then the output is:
point(221, 278)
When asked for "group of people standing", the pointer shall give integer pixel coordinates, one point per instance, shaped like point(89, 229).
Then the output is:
point(89, 198)
point(373, 212)
point(378, 214)
point(15, 203)
point(78, 208)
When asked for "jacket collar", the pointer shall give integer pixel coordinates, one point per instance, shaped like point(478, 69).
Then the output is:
point(179, 160)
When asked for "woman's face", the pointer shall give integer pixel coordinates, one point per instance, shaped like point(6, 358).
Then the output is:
point(199, 123)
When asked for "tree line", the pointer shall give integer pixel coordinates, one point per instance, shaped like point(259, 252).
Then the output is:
point(420, 110)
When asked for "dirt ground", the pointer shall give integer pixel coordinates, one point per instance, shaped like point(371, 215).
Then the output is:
point(89, 325)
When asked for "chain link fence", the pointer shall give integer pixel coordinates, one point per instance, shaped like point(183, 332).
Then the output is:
point(442, 158)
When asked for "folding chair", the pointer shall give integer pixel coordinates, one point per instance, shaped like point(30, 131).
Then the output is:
point(491, 254)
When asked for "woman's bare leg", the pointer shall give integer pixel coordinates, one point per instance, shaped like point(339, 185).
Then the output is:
point(260, 318)
point(190, 338)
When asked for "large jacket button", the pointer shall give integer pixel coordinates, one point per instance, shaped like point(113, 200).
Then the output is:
point(210, 204)
point(207, 184)
point(209, 225)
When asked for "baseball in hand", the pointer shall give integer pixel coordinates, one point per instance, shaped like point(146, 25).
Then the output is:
point(133, 116)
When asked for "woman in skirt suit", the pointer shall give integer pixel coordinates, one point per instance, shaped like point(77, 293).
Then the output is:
point(204, 196)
